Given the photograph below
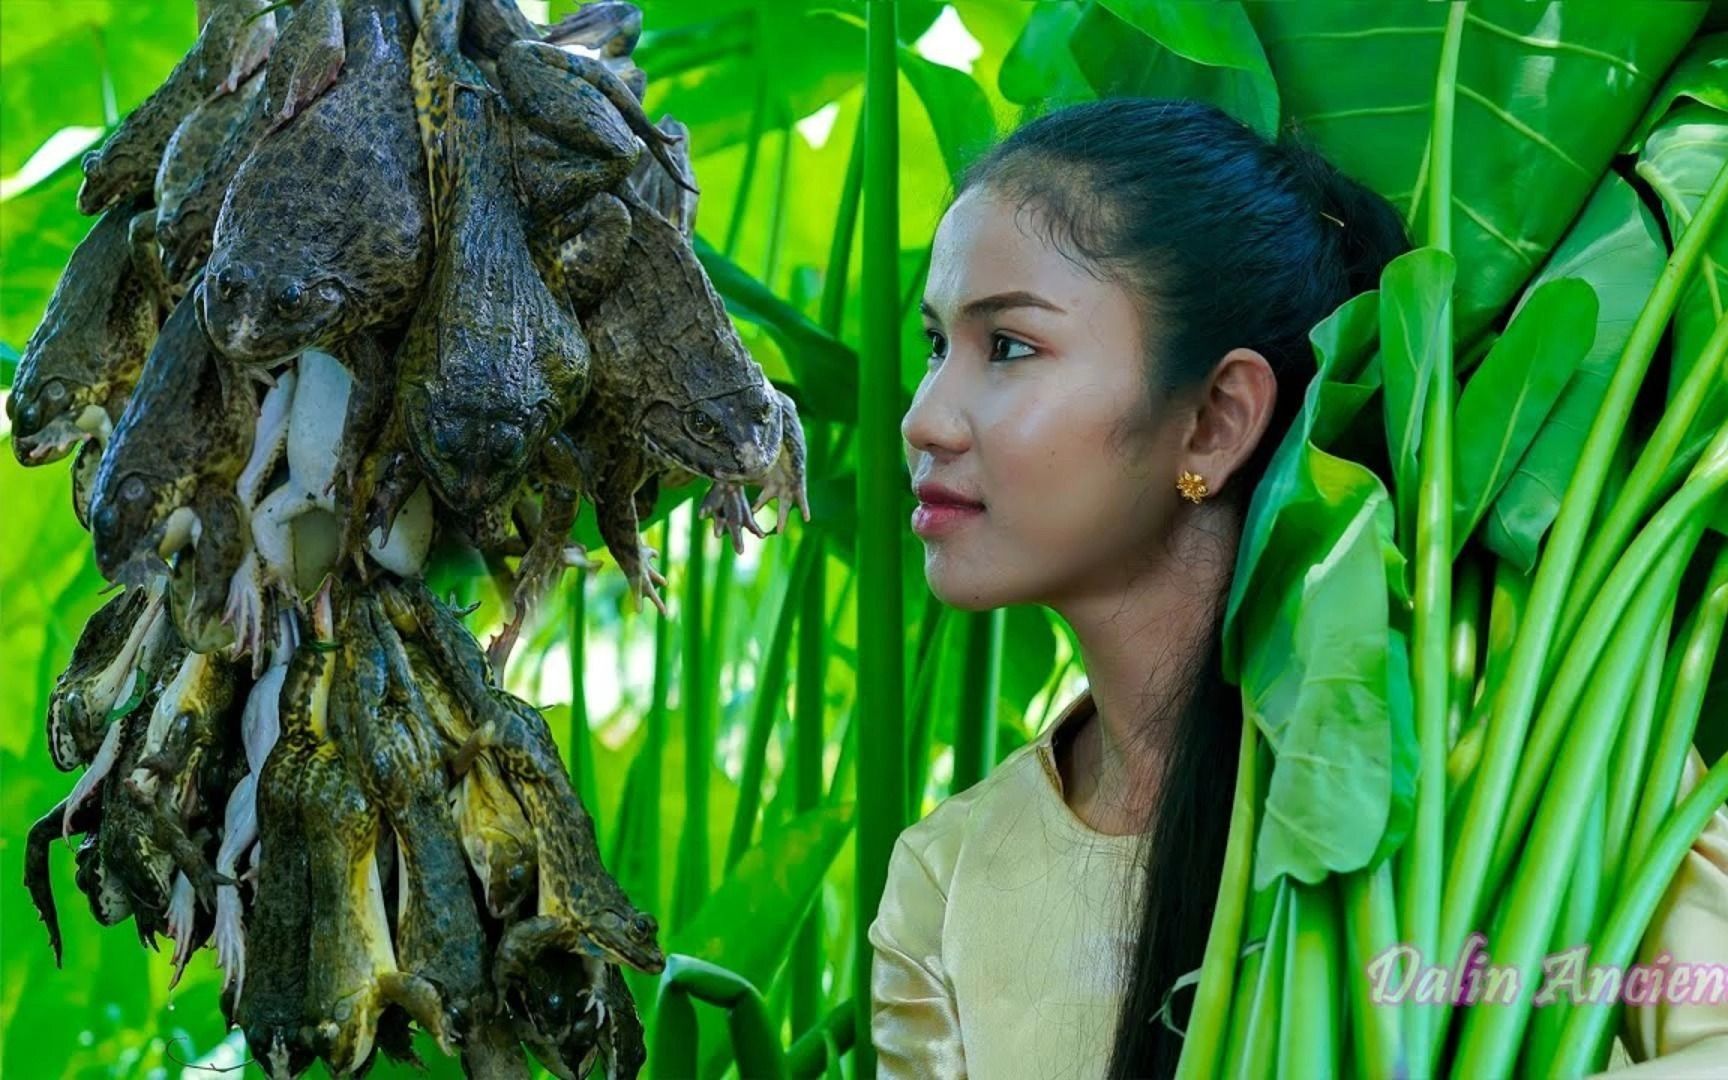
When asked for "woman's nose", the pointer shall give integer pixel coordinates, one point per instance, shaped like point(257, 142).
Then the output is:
point(935, 423)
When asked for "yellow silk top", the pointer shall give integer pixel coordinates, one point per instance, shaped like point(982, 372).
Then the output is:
point(1004, 925)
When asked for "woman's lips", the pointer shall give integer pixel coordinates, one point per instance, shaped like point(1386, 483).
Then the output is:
point(931, 520)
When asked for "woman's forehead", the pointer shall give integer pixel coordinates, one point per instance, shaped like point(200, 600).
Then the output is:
point(986, 245)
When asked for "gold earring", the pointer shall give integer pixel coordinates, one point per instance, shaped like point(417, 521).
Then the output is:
point(1192, 486)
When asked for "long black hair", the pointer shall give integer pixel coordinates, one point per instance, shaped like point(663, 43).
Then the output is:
point(1226, 239)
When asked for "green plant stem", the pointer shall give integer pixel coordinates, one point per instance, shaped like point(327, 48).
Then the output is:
point(1204, 1045)
point(832, 312)
point(975, 720)
point(1703, 637)
point(1467, 879)
point(879, 718)
point(1682, 514)
point(819, 1046)
point(581, 746)
point(770, 694)
point(747, 176)
point(696, 692)
point(932, 632)
point(1587, 1029)
point(1467, 611)
point(1255, 1021)
point(1370, 912)
point(1627, 766)
point(754, 1044)
point(1608, 538)
point(1308, 1032)
point(1431, 673)
point(1491, 1034)
point(807, 745)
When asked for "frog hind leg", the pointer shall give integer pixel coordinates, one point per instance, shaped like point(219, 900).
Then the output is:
point(36, 875)
point(170, 836)
point(420, 998)
point(615, 514)
point(550, 552)
point(316, 56)
point(592, 256)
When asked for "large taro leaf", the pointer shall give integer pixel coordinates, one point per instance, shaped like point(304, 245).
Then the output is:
point(1039, 69)
point(1681, 156)
point(1616, 248)
point(1697, 75)
point(1545, 95)
point(1147, 48)
point(1511, 394)
point(1319, 679)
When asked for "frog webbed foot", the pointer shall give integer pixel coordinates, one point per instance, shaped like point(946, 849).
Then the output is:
point(315, 61)
point(250, 610)
point(182, 924)
point(784, 482)
point(617, 521)
point(420, 998)
point(727, 505)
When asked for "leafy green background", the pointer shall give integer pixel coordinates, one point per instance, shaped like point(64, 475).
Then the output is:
point(772, 92)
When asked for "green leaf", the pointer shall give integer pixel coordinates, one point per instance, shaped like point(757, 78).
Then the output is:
point(958, 110)
point(1616, 247)
point(1415, 302)
point(1317, 681)
point(1699, 75)
point(1360, 79)
point(1680, 159)
point(1039, 68)
point(1209, 52)
point(1511, 393)
point(1343, 347)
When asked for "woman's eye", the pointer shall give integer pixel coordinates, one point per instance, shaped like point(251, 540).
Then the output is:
point(1000, 345)
point(938, 345)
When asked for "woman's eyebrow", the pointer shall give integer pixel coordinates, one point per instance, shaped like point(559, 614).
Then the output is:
point(997, 302)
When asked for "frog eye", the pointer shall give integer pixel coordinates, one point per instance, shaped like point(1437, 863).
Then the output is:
point(134, 489)
point(701, 424)
point(292, 296)
point(645, 925)
point(54, 392)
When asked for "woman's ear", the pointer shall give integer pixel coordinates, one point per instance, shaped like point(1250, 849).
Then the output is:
point(1230, 418)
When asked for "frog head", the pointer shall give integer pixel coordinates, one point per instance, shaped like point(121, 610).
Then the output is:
point(614, 929)
point(256, 314)
point(476, 452)
point(555, 1014)
point(734, 436)
point(137, 520)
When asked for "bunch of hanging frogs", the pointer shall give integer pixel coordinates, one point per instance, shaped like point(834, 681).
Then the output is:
point(367, 276)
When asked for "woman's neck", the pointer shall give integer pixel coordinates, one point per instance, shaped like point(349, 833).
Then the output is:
point(1139, 643)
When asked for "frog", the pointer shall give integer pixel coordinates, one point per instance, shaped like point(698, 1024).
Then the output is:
point(392, 740)
point(669, 367)
point(489, 820)
point(554, 1013)
point(105, 670)
point(186, 753)
point(623, 1047)
point(126, 842)
point(580, 906)
point(191, 150)
point(36, 873)
point(232, 43)
point(168, 476)
point(308, 55)
point(81, 362)
point(490, 363)
point(325, 232)
point(267, 996)
point(576, 131)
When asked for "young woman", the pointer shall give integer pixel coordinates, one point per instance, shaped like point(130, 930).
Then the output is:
point(1118, 309)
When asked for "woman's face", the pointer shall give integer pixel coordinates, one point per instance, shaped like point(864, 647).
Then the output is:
point(1035, 409)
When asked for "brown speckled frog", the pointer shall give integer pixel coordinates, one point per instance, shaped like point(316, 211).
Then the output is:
point(307, 57)
point(581, 907)
point(269, 1000)
point(112, 665)
point(80, 364)
point(325, 230)
point(669, 367)
point(384, 723)
point(233, 42)
point(491, 363)
point(191, 150)
point(168, 478)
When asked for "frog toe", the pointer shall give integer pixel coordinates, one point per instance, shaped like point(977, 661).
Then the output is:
point(422, 1001)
